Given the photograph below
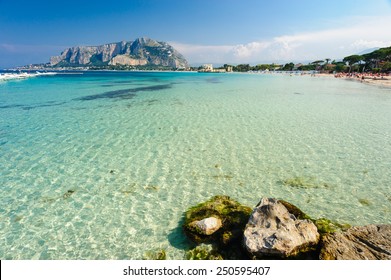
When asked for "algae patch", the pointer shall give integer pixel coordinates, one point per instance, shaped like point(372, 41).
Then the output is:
point(233, 215)
point(364, 201)
point(151, 187)
point(155, 255)
point(203, 252)
point(327, 226)
point(227, 177)
point(304, 182)
point(322, 224)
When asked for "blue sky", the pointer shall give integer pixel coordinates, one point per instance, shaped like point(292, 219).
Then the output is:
point(216, 31)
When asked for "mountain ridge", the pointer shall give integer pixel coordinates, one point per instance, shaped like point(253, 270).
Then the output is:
point(140, 52)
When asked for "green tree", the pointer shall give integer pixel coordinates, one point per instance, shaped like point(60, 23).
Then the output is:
point(242, 68)
point(374, 58)
point(340, 66)
point(288, 66)
point(317, 64)
point(308, 67)
point(352, 59)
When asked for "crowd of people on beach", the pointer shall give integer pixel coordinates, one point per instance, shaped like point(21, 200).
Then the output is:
point(362, 76)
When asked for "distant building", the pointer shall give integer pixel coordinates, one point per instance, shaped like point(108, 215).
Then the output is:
point(297, 66)
point(207, 68)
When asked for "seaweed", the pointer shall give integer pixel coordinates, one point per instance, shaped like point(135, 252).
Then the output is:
point(227, 177)
point(364, 201)
point(294, 210)
point(233, 215)
point(123, 93)
point(305, 182)
point(151, 187)
point(130, 189)
point(327, 226)
point(322, 224)
point(155, 255)
point(203, 252)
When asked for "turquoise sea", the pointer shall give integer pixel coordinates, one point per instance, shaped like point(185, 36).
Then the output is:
point(102, 165)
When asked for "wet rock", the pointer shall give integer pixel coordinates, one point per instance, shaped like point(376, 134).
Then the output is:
point(207, 226)
point(232, 215)
point(371, 242)
point(272, 231)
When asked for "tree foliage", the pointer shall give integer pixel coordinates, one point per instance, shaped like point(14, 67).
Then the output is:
point(376, 61)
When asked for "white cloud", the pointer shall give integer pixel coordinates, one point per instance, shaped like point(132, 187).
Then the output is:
point(359, 34)
point(364, 44)
point(249, 50)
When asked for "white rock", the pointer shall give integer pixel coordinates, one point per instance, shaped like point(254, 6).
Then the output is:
point(273, 231)
point(208, 226)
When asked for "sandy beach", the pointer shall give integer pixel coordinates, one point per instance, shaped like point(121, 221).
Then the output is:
point(377, 81)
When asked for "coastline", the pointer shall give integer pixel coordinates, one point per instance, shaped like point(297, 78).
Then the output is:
point(385, 82)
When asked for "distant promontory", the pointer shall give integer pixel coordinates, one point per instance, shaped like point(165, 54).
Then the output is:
point(140, 52)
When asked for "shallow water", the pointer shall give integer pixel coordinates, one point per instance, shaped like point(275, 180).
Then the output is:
point(102, 165)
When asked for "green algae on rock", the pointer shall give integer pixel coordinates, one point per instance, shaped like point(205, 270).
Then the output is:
point(324, 225)
point(294, 210)
point(203, 252)
point(327, 226)
point(233, 215)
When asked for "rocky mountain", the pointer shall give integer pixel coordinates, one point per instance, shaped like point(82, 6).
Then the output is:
point(140, 52)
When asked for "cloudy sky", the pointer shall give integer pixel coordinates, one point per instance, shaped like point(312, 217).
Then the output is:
point(205, 31)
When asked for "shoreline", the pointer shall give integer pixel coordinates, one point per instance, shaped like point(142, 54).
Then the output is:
point(385, 82)
point(369, 80)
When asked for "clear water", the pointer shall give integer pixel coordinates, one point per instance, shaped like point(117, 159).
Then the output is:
point(103, 165)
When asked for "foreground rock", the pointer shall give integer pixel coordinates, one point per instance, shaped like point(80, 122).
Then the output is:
point(272, 231)
point(372, 242)
point(219, 220)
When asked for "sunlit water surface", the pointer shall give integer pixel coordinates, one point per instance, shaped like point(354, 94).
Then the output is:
point(103, 165)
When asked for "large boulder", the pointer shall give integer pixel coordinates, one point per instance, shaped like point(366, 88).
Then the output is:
point(220, 220)
point(371, 242)
point(273, 232)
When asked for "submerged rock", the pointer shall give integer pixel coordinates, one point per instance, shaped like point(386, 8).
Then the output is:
point(272, 231)
point(202, 222)
point(371, 242)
